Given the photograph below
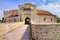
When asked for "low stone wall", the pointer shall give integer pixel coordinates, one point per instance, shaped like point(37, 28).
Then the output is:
point(45, 31)
point(6, 28)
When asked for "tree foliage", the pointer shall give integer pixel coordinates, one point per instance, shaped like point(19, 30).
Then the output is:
point(0, 21)
point(58, 20)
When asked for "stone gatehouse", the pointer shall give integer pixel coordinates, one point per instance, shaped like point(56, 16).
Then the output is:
point(44, 24)
point(31, 11)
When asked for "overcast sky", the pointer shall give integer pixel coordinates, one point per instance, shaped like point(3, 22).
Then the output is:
point(50, 5)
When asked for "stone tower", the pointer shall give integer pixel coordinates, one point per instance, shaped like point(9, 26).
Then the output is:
point(27, 10)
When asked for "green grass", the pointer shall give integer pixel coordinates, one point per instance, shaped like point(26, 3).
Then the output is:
point(0, 21)
point(58, 20)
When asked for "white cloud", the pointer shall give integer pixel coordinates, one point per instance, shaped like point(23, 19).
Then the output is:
point(39, 1)
point(53, 8)
point(43, 1)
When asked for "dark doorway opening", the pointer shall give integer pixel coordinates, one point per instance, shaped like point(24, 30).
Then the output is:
point(27, 20)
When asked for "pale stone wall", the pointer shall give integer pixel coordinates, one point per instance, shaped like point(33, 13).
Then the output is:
point(23, 14)
point(7, 28)
point(10, 12)
point(50, 31)
point(11, 19)
point(48, 19)
point(6, 14)
point(34, 17)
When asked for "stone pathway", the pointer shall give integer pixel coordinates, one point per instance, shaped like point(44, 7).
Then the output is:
point(21, 33)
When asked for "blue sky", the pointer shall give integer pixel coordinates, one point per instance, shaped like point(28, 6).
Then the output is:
point(50, 5)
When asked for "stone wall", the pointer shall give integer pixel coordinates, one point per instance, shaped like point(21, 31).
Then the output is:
point(27, 13)
point(12, 19)
point(44, 31)
point(6, 28)
point(8, 13)
point(46, 19)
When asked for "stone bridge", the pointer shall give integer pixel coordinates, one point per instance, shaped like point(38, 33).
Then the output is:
point(14, 31)
point(20, 31)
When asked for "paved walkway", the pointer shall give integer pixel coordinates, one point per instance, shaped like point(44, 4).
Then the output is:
point(21, 33)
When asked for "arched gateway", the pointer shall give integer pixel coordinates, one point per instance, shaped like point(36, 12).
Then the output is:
point(27, 20)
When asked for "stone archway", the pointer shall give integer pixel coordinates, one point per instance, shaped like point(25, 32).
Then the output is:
point(27, 20)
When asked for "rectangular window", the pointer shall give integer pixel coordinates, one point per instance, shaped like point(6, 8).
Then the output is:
point(44, 19)
point(14, 20)
point(27, 9)
point(51, 19)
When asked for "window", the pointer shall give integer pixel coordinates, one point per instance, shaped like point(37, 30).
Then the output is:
point(14, 20)
point(51, 19)
point(44, 19)
point(27, 9)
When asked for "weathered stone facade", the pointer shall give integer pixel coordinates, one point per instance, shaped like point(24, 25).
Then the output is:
point(10, 15)
point(31, 11)
point(50, 31)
